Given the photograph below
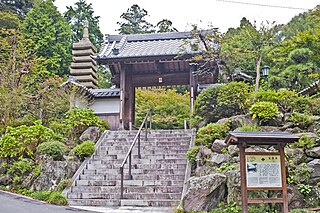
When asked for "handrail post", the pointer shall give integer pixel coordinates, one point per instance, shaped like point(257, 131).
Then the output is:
point(150, 126)
point(146, 128)
point(130, 176)
point(121, 184)
point(139, 153)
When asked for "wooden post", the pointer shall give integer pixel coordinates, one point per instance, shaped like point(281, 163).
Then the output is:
point(244, 192)
point(122, 97)
point(284, 179)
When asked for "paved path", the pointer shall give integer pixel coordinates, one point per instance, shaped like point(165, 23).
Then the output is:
point(12, 203)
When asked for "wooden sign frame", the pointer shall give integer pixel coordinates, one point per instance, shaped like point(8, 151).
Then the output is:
point(244, 188)
point(275, 139)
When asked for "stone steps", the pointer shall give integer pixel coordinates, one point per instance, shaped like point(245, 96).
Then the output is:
point(157, 178)
point(138, 196)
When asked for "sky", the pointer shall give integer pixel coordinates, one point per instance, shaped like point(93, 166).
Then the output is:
point(222, 14)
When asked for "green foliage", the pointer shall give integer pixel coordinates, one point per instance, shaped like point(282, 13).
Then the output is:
point(9, 21)
point(84, 150)
point(169, 108)
point(218, 102)
point(22, 141)
point(298, 174)
point(51, 197)
point(165, 25)
point(304, 189)
point(77, 15)
point(285, 99)
point(19, 7)
point(55, 149)
point(226, 166)
point(191, 154)
point(57, 199)
point(233, 98)
point(207, 134)
point(302, 120)
point(49, 35)
point(20, 168)
point(133, 21)
point(264, 111)
point(249, 128)
point(79, 119)
point(305, 142)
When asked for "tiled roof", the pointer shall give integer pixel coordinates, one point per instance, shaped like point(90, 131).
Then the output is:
point(144, 45)
point(106, 93)
point(92, 93)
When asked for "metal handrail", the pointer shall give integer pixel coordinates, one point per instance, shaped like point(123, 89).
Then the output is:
point(128, 155)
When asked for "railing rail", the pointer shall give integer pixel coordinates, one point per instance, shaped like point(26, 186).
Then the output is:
point(128, 156)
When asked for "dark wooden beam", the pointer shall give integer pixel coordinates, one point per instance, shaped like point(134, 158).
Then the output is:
point(168, 79)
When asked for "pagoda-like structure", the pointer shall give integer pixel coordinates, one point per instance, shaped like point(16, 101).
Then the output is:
point(83, 66)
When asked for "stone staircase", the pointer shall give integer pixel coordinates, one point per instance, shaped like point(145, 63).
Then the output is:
point(158, 177)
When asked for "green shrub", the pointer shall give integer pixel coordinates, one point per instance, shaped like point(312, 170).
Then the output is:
point(249, 128)
point(21, 167)
point(55, 149)
point(51, 197)
point(222, 101)
point(57, 199)
point(305, 142)
point(191, 154)
point(84, 150)
point(264, 111)
point(79, 119)
point(23, 140)
point(41, 195)
point(207, 134)
point(284, 99)
point(169, 108)
point(302, 120)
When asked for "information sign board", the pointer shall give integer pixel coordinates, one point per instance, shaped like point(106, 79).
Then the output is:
point(263, 171)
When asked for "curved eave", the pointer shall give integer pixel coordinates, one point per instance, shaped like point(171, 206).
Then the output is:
point(109, 60)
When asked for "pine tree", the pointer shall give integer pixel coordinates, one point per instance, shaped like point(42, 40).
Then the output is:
point(77, 15)
point(50, 37)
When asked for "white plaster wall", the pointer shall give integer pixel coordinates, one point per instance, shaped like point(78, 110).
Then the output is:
point(106, 105)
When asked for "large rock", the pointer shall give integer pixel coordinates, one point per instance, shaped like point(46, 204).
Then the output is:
point(315, 166)
point(218, 159)
point(233, 186)
point(204, 170)
point(91, 134)
point(238, 121)
point(203, 155)
point(313, 152)
point(217, 145)
point(52, 173)
point(295, 198)
point(205, 192)
point(296, 155)
point(233, 150)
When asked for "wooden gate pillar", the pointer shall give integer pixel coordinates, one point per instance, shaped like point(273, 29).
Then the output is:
point(127, 97)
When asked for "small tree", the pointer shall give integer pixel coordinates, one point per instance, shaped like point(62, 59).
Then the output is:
point(133, 21)
point(77, 15)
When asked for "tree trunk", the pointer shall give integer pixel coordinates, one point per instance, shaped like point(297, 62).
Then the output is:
point(256, 88)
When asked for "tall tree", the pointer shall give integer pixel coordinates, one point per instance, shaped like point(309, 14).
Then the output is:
point(246, 46)
point(77, 15)
point(134, 21)
point(19, 7)
point(165, 25)
point(50, 37)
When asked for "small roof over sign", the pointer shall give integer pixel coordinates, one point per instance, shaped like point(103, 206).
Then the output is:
point(260, 138)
